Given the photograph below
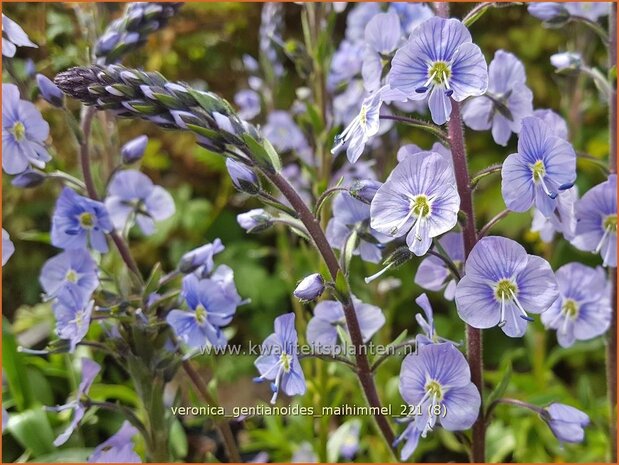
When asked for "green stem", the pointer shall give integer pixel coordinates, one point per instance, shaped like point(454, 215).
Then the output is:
point(364, 372)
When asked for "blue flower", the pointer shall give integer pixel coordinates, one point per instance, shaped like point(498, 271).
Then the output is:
point(248, 102)
point(78, 221)
point(310, 288)
point(133, 150)
point(304, 454)
point(502, 284)
point(118, 448)
point(13, 37)
point(90, 370)
point(361, 129)
point(382, 36)
point(557, 125)
point(596, 216)
point(554, 12)
point(418, 200)
point(439, 60)
point(583, 308)
point(72, 318)
point(411, 15)
point(23, 133)
point(50, 91)
point(506, 102)
point(567, 423)
point(279, 361)
point(201, 259)
point(345, 64)
point(429, 335)
point(8, 248)
point(433, 274)
point(544, 166)
point(344, 442)
point(358, 18)
point(70, 274)
point(437, 147)
point(562, 220)
point(211, 310)
point(548, 11)
point(131, 193)
point(352, 216)
point(323, 330)
point(224, 276)
point(281, 130)
point(437, 381)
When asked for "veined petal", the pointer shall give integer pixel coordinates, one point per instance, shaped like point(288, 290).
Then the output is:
point(517, 184)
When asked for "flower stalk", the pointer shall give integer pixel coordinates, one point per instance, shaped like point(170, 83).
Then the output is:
point(474, 348)
point(611, 348)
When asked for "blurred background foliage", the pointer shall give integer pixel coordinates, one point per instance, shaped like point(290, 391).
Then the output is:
point(204, 46)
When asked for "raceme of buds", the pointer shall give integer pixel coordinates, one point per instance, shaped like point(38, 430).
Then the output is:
point(310, 288)
point(131, 93)
point(49, 91)
point(131, 30)
point(133, 150)
point(243, 178)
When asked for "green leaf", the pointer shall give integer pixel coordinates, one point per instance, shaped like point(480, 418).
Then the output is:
point(14, 369)
point(178, 439)
point(152, 284)
point(33, 431)
point(500, 388)
point(349, 248)
point(263, 153)
point(73, 455)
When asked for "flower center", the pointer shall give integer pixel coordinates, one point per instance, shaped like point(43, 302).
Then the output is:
point(285, 361)
point(420, 206)
point(610, 223)
point(434, 389)
point(538, 170)
point(71, 276)
point(570, 309)
point(201, 314)
point(363, 116)
point(87, 220)
point(505, 288)
point(79, 318)
point(439, 72)
point(19, 131)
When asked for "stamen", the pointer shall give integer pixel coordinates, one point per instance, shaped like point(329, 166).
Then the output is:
point(395, 229)
point(369, 279)
point(502, 320)
point(602, 240)
point(524, 315)
point(552, 195)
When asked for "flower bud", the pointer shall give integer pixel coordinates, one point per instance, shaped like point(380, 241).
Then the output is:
point(566, 61)
point(567, 423)
point(133, 150)
point(310, 288)
point(28, 178)
point(243, 178)
point(255, 220)
point(50, 91)
point(202, 256)
point(364, 190)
